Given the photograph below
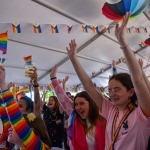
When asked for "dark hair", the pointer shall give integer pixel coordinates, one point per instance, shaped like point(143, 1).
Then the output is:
point(93, 110)
point(125, 80)
point(29, 103)
point(39, 128)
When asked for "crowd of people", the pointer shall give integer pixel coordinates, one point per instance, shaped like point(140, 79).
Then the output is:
point(88, 121)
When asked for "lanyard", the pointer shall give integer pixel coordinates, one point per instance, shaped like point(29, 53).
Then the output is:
point(116, 132)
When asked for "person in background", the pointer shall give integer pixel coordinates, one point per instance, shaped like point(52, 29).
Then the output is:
point(86, 128)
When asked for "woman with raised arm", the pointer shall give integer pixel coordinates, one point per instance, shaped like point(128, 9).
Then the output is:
point(86, 127)
point(28, 131)
point(128, 125)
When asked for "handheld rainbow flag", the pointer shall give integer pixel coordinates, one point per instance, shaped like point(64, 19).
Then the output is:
point(69, 26)
point(95, 29)
point(28, 59)
point(142, 44)
point(37, 28)
point(25, 90)
point(84, 28)
point(16, 27)
point(50, 87)
point(54, 29)
point(3, 42)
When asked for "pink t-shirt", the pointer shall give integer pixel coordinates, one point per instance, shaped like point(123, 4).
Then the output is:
point(134, 132)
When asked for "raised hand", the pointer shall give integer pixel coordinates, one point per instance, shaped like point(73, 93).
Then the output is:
point(2, 78)
point(120, 30)
point(72, 50)
point(53, 72)
point(33, 75)
point(141, 63)
point(65, 80)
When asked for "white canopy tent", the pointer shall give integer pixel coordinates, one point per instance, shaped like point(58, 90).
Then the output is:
point(95, 50)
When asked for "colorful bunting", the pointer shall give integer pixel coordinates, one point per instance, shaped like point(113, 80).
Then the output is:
point(128, 30)
point(94, 74)
point(95, 29)
point(54, 29)
point(3, 42)
point(37, 28)
point(50, 87)
point(69, 26)
point(107, 29)
point(101, 70)
point(142, 44)
point(16, 27)
point(145, 29)
point(84, 28)
point(137, 30)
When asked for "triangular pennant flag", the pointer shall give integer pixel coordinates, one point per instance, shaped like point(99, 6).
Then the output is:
point(142, 44)
point(95, 29)
point(137, 30)
point(94, 74)
point(84, 28)
point(54, 28)
point(16, 27)
point(69, 26)
point(107, 29)
point(128, 30)
point(37, 28)
point(3, 42)
point(145, 29)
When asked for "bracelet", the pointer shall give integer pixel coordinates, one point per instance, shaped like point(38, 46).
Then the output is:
point(35, 85)
point(53, 78)
point(122, 47)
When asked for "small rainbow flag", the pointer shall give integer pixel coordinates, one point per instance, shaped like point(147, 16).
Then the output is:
point(2, 60)
point(37, 28)
point(25, 90)
point(84, 28)
point(28, 59)
point(50, 87)
point(54, 29)
point(95, 29)
point(102, 89)
point(58, 121)
point(3, 42)
point(16, 28)
point(142, 44)
point(69, 26)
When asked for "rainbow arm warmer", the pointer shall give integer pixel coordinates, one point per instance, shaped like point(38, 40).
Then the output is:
point(29, 139)
point(62, 97)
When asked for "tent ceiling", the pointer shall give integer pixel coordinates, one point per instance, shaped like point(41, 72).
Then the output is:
point(95, 51)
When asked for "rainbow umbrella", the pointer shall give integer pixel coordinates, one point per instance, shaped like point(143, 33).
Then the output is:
point(116, 9)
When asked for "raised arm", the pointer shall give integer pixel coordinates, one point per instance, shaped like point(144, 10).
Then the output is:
point(84, 78)
point(64, 100)
point(136, 73)
point(37, 100)
point(145, 77)
point(64, 82)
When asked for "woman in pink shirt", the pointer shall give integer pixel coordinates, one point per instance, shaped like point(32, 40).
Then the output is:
point(128, 125)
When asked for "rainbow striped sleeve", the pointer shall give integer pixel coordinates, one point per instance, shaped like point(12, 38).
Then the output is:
point(6, 123)
point(29, 139)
